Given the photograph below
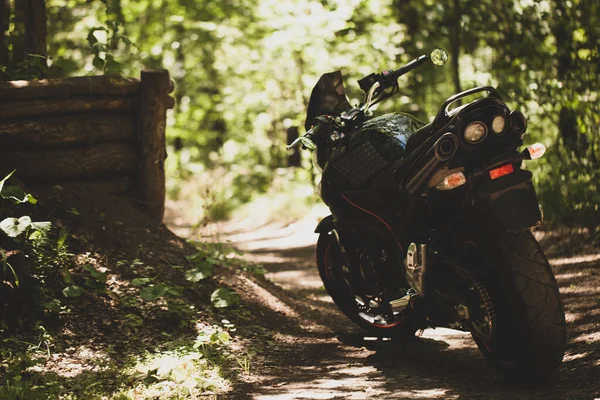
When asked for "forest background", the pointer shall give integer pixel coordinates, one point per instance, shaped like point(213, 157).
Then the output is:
point(244, 69)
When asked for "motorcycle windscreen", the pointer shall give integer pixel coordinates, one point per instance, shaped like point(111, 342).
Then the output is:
point(327, 98)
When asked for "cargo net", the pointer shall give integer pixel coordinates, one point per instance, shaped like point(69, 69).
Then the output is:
point(360, 164)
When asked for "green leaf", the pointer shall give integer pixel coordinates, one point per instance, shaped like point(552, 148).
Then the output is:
point(13, 272)
point(98, 62)
point(223, 336)
point(17, 195)
point(43, 226)
point(94, 284)
point(223, 297)
point(137, 282)
point(97, 275)
point(174, 291)
point(36, 235)
point(13, 227)
point(5, 179)
point(62, 236)
point(73, 291)
point(153, 292)
point(192, 257)
point(202, 271)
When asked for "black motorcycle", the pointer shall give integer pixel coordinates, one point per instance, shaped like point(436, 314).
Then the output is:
point(431, 223)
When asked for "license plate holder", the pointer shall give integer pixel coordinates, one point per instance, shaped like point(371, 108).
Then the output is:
point(513, 201)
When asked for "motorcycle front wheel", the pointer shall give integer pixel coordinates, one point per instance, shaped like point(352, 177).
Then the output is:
point(369, 311)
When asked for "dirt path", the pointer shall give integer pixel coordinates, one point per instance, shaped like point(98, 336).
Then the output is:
point(318, 354)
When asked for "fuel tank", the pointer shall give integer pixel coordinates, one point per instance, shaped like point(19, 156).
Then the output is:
point(365, 153)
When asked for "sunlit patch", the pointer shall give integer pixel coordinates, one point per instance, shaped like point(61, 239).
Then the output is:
point(174, 374)
point(299, 279)
point(588, 338)
point(324, 299)
point(579, 289)
point(570, 357)
point(455, 339)
point(571, 317)
point(270, 258)
point(21, 84)
point(588, 258)
point(285, 338)
point(562, 277)
point(73, 362)
point(425, 394)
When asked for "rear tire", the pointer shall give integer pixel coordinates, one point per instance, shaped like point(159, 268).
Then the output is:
point(527, 342)
point(331, 269)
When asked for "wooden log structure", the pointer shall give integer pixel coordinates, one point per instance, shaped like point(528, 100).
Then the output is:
point(94, 129)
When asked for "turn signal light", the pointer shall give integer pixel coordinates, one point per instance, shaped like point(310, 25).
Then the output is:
point(452, 181)
point(500, 172)
point(536, 150)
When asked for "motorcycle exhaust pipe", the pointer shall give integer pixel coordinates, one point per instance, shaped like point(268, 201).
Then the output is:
point(443, 150)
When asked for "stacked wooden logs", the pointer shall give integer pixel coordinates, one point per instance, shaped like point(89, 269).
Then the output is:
point(100, 129)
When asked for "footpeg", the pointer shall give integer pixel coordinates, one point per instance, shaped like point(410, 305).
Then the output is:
point(401, 303)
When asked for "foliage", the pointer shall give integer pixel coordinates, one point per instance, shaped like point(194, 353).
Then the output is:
point(226, 255)
point(22, 238)
point(244, 71)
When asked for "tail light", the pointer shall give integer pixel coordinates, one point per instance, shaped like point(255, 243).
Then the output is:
point(502, 171)
point(452, 181)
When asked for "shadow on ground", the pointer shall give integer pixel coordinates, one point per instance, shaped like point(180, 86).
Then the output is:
point(318, 353)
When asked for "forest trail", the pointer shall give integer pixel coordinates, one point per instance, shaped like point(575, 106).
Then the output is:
point(318, 354)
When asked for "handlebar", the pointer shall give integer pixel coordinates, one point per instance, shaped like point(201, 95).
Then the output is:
point(389, 78)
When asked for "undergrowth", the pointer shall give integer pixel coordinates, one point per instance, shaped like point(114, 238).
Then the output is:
point(76, 326)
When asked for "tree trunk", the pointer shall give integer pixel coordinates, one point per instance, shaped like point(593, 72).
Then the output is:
point(567, 118)
point(4, 13)
point(455, 43)
point(21, 12)
point(35, 29)
point(293, 157)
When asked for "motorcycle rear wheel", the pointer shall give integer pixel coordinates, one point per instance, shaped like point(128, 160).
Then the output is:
point(334, 273)
point(527, 341)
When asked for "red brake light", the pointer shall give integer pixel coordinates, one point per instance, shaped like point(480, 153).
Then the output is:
point(500, 172)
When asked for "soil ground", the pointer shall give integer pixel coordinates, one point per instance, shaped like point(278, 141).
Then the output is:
point(306, 349)
point(318, 354)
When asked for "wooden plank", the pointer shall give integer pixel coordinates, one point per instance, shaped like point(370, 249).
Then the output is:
point(37, 108)
point(57, 88)
point(72, 163)
point(154, 94)
point(67, 130)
